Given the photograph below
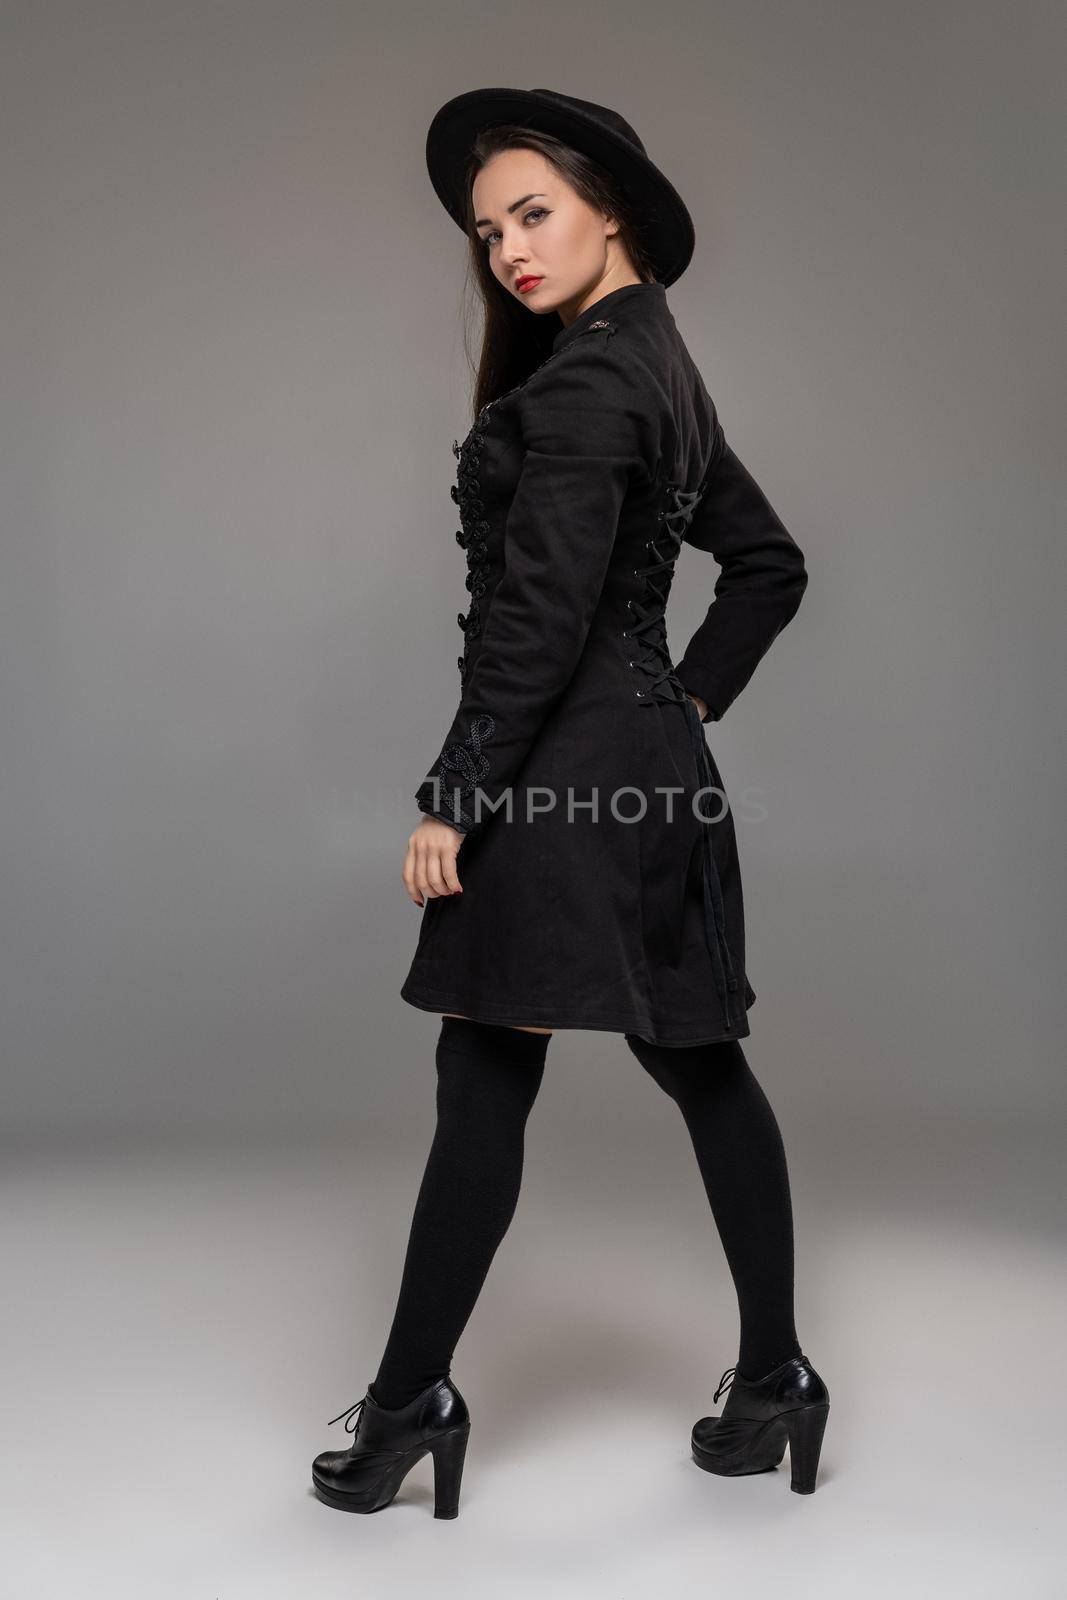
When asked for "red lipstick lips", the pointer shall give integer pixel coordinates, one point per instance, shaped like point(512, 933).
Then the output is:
point(526, 282)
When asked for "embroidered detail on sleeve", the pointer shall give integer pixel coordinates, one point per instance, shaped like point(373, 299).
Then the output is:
point(467, 760)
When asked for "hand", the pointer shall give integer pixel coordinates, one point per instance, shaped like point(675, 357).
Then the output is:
point(700, 705)
point(430, 863)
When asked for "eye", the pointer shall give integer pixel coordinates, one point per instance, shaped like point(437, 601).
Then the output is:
point(534, 211)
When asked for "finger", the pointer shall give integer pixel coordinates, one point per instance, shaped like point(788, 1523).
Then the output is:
point(407, 872)
point(434, 874)
point(425, 872)
point(451, 876)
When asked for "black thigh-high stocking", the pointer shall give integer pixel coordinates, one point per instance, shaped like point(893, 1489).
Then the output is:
point(741, 1156)
point(488, 1076)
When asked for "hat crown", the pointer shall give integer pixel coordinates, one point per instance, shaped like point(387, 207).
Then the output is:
point(608, 118)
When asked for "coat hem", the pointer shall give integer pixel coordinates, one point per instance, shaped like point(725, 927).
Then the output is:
point(562, 1018)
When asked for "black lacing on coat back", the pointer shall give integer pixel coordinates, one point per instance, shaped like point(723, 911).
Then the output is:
point(652, 658)
point(649, 630)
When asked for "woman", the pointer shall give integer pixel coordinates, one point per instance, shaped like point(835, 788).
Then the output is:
point(572, 865)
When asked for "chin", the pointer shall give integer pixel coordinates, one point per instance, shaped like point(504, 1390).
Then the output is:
point(541, 307)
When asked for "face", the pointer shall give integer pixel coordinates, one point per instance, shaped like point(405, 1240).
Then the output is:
point(533, 226)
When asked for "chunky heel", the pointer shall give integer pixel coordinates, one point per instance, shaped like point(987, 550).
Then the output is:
point(448, 1453)
point(805, 1428)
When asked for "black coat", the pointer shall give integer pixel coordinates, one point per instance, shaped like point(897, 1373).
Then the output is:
point(599, 900)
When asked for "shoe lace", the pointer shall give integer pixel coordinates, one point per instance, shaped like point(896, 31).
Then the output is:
point(351, 1412)
point(724, 1382)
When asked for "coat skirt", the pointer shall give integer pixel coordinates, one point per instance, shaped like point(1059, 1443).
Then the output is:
point(601, 882)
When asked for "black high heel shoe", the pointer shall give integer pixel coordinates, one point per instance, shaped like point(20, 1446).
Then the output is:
point(387, 1444)
point(787, 1406)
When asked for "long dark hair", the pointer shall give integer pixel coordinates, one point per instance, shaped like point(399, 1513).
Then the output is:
point(514, 341)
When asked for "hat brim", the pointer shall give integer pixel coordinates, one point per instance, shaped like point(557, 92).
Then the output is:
point(664, 221)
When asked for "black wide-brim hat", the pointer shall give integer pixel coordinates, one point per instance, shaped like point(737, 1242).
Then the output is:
point(665, 225)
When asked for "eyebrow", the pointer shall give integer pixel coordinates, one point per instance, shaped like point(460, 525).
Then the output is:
point(514, 206)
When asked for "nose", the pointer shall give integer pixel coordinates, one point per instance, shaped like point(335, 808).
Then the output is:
point(514, 254)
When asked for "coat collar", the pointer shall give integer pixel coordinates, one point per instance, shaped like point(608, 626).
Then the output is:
point(623, 300)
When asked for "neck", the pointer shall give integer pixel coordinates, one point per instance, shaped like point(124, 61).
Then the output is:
point(624, 278)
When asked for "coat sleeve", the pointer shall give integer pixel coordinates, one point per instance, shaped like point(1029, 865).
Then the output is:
point(581, 426)
point(759, 587)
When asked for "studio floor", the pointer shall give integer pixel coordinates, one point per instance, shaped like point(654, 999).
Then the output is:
point(183, 1319)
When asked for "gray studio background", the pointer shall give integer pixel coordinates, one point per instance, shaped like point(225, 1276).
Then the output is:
point(227, 657)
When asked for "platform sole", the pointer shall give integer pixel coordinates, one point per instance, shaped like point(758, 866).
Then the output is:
point(764, 1448)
